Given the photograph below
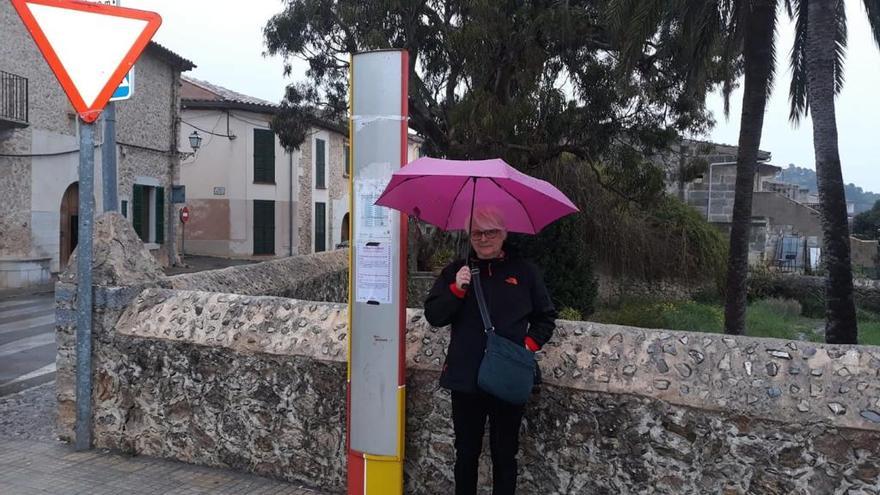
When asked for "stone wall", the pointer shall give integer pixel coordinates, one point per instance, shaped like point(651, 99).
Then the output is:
point(258, 384)
point(613, 289)
point(810, 291)
point(323, 276)
point(865, 255)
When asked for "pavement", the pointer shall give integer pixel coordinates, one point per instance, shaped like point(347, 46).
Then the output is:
point(32, 462)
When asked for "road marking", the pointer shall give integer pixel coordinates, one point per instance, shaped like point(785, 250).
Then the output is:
point(27, 343)
point(45, 370)
point(25, 311)
point(18, 302)
point(27, 323)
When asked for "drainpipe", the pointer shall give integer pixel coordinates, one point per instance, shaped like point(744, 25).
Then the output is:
point(108, 159)
point(173, 172)
point(290, 206)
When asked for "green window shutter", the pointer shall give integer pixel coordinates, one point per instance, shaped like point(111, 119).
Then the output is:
point(264, 227)
point(264, 156)
point(160, 215)
point(320, 227)
point(347, 160)
point(320, 164)
point(137, 210)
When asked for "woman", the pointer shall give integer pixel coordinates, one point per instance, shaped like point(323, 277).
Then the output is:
point(520, 310)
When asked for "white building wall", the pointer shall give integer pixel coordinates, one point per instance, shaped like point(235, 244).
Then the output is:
point(228, 164)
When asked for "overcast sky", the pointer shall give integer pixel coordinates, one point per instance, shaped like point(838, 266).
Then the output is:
point(224, 39)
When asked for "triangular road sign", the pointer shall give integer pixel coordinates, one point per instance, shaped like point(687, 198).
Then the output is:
point(90, 47)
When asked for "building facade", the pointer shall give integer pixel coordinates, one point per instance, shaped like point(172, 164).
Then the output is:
point(39, 157)
point(786, 231)
point(250, 198)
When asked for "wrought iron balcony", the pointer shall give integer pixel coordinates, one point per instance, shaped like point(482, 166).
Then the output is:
point(13, 100)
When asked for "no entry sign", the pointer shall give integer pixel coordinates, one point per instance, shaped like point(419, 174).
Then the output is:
point(184, 214)
point(90, 47)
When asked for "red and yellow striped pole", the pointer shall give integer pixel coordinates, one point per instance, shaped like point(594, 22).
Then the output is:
point(376, 375)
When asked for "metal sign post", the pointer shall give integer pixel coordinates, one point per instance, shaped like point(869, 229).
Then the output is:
point(84, 286)
point(377, 290)
point(108, 150)
point(90, 48)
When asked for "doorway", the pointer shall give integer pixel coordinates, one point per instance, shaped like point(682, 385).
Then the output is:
point(69, 224)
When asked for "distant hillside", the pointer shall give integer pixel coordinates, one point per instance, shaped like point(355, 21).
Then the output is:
point(863, 200)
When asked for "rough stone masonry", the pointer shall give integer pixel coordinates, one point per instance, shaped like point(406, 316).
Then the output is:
point(257, 383)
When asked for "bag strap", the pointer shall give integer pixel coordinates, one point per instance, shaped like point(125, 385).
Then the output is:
point(481, 301)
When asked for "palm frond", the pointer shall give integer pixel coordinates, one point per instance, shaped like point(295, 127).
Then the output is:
point(798, 93)
point(733, 19)
point(839, 46)
point(872, 10)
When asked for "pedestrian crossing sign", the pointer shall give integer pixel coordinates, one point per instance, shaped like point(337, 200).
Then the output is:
point(125, 88)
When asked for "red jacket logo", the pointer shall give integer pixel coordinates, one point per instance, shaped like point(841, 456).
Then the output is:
point(511, 281)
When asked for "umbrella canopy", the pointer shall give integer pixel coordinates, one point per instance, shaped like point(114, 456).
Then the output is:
point(444, 193)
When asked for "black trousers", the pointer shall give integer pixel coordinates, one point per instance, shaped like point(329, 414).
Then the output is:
point(469, 413)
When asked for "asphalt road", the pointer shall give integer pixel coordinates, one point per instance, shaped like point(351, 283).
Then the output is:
point(27, 342)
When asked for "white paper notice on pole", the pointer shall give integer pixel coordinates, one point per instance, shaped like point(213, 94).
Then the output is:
point(373, 248)
point(374, 222)
point(373, 280)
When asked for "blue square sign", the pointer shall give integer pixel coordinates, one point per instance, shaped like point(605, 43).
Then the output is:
point(126, 87)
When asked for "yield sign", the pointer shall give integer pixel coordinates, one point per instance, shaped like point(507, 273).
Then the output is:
point(90, 47)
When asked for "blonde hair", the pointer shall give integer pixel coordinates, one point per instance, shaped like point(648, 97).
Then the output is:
point(486, 218)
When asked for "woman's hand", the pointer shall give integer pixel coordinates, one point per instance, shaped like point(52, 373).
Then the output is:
point(463, 277)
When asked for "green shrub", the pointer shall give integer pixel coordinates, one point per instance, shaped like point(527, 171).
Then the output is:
point(569, 313)
point(673, 315)
point(869, 333)
point(813, 307)
point(708, 295)
point(568, 269)
point(695, 317)
point(788, 308)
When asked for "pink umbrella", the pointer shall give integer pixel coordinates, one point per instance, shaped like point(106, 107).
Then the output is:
point(445, 192)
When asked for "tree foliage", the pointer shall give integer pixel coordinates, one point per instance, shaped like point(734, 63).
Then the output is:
point(523, 80)
point(544, 85)
point(866, 225)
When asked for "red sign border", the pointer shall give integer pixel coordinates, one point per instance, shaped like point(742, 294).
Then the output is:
point(88, 113)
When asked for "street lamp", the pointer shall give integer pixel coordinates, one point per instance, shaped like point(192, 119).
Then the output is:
point(195, 141)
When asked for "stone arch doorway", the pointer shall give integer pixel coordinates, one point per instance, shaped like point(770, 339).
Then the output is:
point(69, 222)
point(345, 228)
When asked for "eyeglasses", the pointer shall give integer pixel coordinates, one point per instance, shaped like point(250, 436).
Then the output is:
point(487, 234)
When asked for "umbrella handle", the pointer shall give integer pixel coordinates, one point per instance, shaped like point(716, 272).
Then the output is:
point(474, 272)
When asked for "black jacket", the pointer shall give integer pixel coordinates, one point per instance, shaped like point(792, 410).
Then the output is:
point(518, 303)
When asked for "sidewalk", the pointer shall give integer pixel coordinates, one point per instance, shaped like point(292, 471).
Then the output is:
point(30, 467)
point(33, 464)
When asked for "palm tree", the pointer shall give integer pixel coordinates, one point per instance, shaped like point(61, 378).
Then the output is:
point(743, 28)
point(758, 20)
point(817, 76)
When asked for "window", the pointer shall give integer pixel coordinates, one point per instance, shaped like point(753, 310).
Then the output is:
point(346, 170)
point(320, 162)
point(148, 213)
point(320, 227)
point(264, 227)
point(264, 156)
